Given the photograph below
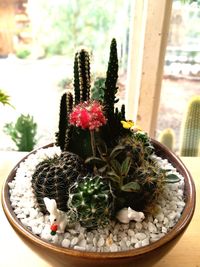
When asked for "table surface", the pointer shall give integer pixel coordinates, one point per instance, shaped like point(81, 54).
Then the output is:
point(16, 252)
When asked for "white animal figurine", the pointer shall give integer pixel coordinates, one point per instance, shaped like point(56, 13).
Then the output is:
point(57, 217)
point(126, 215)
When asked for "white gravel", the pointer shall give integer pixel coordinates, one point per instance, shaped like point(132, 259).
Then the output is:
point(114, 237)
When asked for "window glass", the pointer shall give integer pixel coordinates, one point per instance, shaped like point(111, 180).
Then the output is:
point(181, 70)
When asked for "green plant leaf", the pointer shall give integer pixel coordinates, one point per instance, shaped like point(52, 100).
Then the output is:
point(93, 160)
point(131, 187)
point(172, 178)
point(115, 165)
point(116, 151)
point(125, 167)
point(114, 177)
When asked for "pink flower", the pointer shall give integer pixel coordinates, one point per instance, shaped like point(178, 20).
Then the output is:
point(88, 115)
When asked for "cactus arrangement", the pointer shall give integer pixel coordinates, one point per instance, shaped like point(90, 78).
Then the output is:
point(106, 162)
point(190, 138)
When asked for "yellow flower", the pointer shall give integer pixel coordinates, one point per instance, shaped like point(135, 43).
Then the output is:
point(127, 124)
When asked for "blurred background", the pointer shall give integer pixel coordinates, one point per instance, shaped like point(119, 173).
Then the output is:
point(38, 39)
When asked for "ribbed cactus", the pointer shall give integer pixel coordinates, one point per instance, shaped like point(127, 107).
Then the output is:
point(66, 105)
point(111, 81)
point(90, 201)
point(167, 138)
point(52, 178)
point(190, 138)
point(82, 76)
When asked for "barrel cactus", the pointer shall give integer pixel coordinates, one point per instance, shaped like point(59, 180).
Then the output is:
point(53, 177)
point(190, 138)
point(90, 200)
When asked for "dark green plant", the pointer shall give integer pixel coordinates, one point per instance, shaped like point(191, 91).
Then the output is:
point(53, 176)
point(82, 76)
point(167, 138)
point(90, 201)
point(137, 180)
point(23, 132)
point(66, 105)
point(190, 138)
point(113, 130)
point(111, 81)
point(97, 92)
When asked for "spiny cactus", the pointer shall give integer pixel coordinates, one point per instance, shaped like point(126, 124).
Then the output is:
point(136, 178)
point(53, 177)
point(90, 201)
point(82, 76)
point(167, 137)
point(98, 89)
point(190, 138)
point(66, 105)
point(111, 81)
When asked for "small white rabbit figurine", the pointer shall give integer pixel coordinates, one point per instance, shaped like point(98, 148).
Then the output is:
point(57, 217)
point(126, 215)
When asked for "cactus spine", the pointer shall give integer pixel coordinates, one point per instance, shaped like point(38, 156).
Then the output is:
point(191, 129)
point(167, 138)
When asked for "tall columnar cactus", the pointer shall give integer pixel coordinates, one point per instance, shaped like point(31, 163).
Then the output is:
point(167, 137)
point(111, 81)
point(66, 105)
point(82, 76)
point(190, 139)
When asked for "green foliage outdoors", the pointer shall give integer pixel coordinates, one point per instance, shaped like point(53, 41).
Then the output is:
point(4, 98)
point(23, 132)
point(23, 53)
point(66, 25)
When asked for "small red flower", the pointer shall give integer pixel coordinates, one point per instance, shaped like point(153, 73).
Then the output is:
point(88, 115)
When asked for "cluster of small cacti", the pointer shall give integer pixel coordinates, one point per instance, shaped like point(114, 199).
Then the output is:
point(104, 165)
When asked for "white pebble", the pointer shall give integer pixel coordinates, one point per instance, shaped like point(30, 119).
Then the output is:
point(100, 242)
point(66, 243)
point(140, 236)
point(145, 242)
point(74, 241)
point(113, 248)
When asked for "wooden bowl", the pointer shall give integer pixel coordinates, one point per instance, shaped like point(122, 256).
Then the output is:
point(148, 254)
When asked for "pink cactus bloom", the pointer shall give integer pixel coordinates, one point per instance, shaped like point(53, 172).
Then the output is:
point(88, 115)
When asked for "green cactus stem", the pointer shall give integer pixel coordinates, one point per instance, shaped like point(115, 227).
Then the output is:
point(190, 138)
point(66, 105)
point(98, 89)
point(111, 81)
point(82, 76)
point(167, 138)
